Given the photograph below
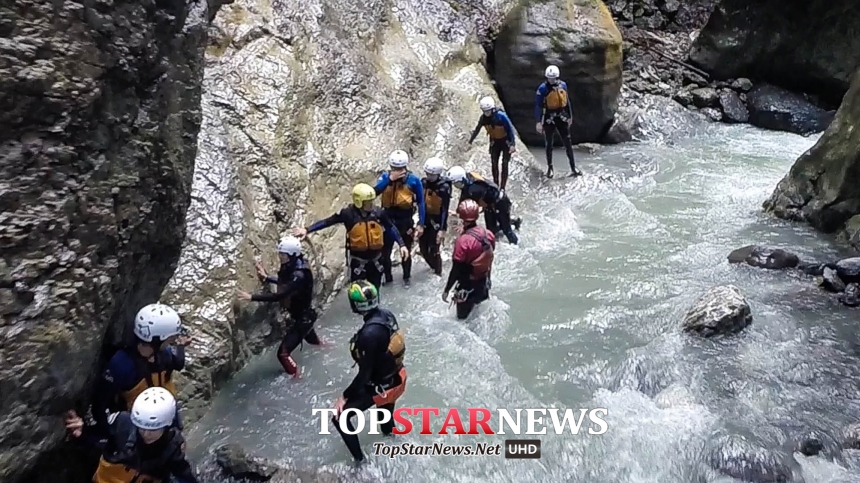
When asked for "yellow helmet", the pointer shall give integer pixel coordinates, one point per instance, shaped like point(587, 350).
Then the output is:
point(361, 193)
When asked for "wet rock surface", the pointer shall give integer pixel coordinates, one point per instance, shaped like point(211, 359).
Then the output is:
point(303, 100)
point(235, 463)
point(851, 296)
point(780, 110)
point(722, 310)
point(764, 257)
point(736, 457)
point(804, 45)
point(644, 116)
point(849, 269)
point(822, 187)
point(99, 115)
point(831, 282)
point(734, 110)
point(580, 37)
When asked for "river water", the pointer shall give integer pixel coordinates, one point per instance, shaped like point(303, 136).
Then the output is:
point(586, 313)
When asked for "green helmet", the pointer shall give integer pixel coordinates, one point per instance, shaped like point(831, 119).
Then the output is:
point(363, 295)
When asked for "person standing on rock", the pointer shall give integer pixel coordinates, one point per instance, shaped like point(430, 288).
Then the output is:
point(142, 446)
point(554, 114)
point(365, 232)
point(472, 261)
point(150, 362)
point(502, 139)
point(437, 199)
point(295, 282)
point(496, 205)
point(378, 348)
point(401, 190)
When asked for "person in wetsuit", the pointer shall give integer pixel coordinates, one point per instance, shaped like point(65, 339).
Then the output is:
point(554, 114)
point(295, 282)
point(141, 445)
point(496, 205)
point(437, 198)
point(502, 140)
point(150, 362)
point(378, 348)
point(472, 261)
point(365, 233)
point(400, 190)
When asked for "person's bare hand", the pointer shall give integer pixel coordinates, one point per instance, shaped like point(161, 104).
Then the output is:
point(74, 424)
point(261, 270)
point(243, 295)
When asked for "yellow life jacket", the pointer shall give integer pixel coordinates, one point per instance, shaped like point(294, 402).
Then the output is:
point(155, 379)
point(496, 132)
point(397, 194)
point(365, 233)
point(120, 473)
point(432, 202)
point(556, 99)
point(477, 177)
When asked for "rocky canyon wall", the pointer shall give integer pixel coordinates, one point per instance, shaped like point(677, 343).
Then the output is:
point(303, 100)
point(99, 113)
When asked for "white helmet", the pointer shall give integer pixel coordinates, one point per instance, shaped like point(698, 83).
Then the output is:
point(456, 174)
point(156, 321)
point(552, 72)
point(290, 245)
point(487, 103)
point(154, 408)
point(398, 159)
point(434, 165)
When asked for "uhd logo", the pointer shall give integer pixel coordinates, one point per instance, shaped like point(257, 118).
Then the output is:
point(522, 448)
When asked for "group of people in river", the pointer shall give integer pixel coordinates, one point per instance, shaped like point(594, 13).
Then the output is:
point(135, 423)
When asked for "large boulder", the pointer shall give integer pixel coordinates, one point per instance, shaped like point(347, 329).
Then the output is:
point(764, 257)
point(774, 108)
point(822, 186)
point(721, 310)
point(235, 463)
point(99, 114)
point(849, 269)
point(581, 38)
point(804, 45)
point(301, 102)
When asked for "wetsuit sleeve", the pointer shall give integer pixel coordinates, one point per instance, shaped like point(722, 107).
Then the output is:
point(539, 96)
point(477, 129)
point(509, 128)
point(284, 290)
point(330, 221)
point(446, 205)
point(569, 106)
point(458, 271)
point(381, 184)
point(180, 467)
point(271, 279)
point(390, 228)
point(372, 342)
point(177, 357)
point(118, 376)
point(418, 189)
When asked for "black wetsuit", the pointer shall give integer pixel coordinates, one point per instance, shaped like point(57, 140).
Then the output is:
point(295, 292)
point(436, 222)
point(497, 205)
point(125, 451)
point(502, 139)
point(378, 370)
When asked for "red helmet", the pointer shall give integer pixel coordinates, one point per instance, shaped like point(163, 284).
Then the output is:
point(468, 210)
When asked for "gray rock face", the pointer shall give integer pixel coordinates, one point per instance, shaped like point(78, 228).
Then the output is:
point(849, 269)
point(774, 108)
point(303, 100)
point(734, 110)
point(646, 116)
point(721, 310)
point(851, 232)
point(804, 45)
point(831, 282)
point(705, 97)
point(581, 38)
point(822, 187)
point(99, 115)
point(851, 296)
point(764, 257)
